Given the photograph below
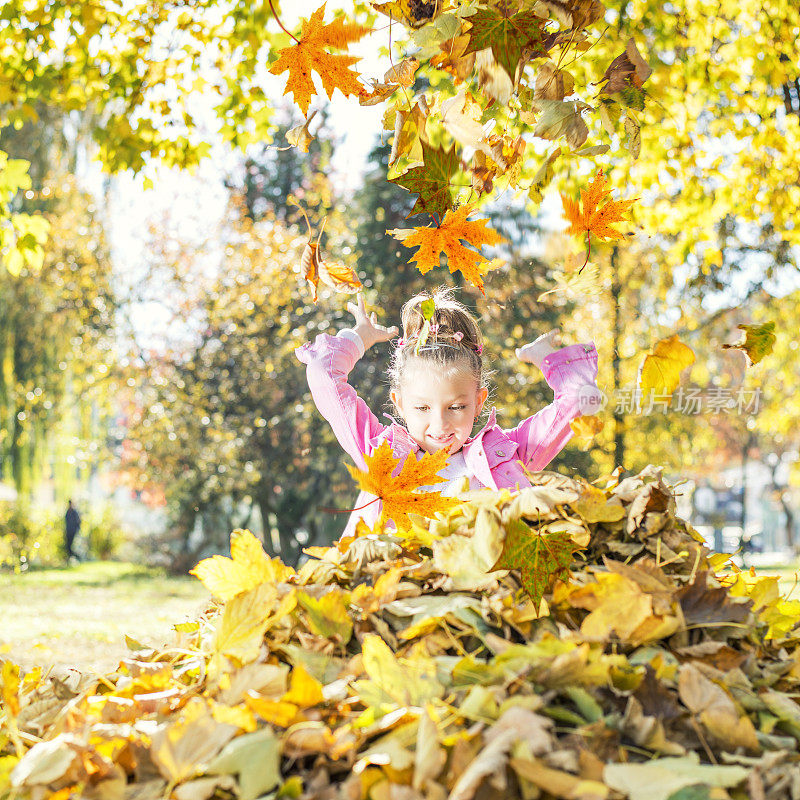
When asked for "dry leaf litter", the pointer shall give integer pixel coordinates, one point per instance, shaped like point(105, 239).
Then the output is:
point(402, 667)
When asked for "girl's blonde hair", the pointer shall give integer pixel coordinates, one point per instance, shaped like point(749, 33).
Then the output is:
point(454, 342)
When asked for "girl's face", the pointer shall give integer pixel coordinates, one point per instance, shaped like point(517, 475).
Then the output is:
point(439, 410)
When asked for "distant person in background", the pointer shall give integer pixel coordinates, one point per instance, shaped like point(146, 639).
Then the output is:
point(72, 524)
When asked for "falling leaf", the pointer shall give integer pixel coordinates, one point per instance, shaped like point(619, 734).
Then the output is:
point(300, 137)
point(431, 181)
point(557, 118)
point(461, 117)
point(413, 13)
point(248, 567)
point(310, 53)
point(507, 34)
point(454, 59)
point(552, 83)
point(595, 212)
point(661, 369)
point(399, 493)
point(575, 282)
point(446, 238)
point(758, 341)
point(409, 129)
point(428, 309)
point(542, 558)
point(543, 177)
point(339, 277)
point(585, 429)
point(627, 69)
point(633, 132)
point(401, 75)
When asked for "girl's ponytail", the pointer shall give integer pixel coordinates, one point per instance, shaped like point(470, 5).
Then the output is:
point(454, 339)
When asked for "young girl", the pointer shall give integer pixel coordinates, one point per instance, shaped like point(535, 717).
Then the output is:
point(439, 390)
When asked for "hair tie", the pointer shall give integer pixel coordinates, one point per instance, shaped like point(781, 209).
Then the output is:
point(458, 336)
point(400, 342)
point(479, 349)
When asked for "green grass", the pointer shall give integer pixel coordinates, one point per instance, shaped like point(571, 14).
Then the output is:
point(80, 615)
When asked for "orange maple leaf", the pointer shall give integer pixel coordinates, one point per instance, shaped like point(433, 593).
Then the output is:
point(309, 53)
point(598, 212)
point(446, 238)
point(400, 493)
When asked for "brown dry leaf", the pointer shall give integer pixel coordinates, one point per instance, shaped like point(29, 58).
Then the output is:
point(628, 69)
point(454, 58)
point(552, 83)
point(299, 136)
point(716, 710)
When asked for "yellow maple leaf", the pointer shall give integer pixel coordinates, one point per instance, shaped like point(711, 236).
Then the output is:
point(304, 689)
point(310, 53)
point(241, 628)
point(616, 604)
point(275, 711)
point(661, 370)
point(399, 493)
point(446, 238)
point(248, 567)
point(9, 689)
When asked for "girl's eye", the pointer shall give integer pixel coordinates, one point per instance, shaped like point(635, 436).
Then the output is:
point(457, 408)
point(422, 408)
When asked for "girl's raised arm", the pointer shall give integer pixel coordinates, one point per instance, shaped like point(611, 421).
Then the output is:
point(329, 360)
point(571, 372)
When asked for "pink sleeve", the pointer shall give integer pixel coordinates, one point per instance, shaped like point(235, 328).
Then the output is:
point(328, 361)
point(570, 373)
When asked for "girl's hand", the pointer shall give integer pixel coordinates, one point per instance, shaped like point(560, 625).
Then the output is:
point(367, 326)
point(535, 352)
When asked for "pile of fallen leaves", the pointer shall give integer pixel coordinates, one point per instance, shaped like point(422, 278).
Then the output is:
point(564, 641)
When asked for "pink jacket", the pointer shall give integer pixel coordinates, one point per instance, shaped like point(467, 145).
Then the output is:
point(495, 456)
